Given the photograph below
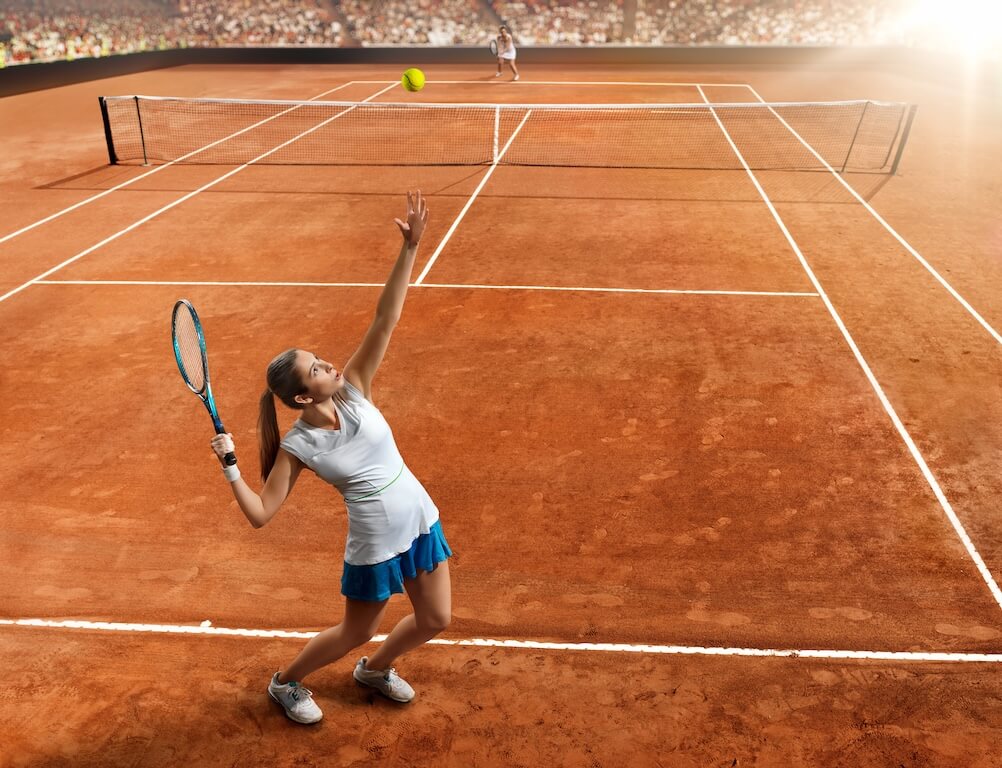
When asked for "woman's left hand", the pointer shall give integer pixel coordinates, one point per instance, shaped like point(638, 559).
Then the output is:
point(417, 217)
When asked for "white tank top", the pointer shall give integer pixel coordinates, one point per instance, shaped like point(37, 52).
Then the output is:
point(387, 507)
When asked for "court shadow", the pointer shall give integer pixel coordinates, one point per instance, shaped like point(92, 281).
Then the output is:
point(820, 187)
point(92, 179)
point(521, 182)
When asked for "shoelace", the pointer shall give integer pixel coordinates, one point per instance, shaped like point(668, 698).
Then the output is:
point(296, 690)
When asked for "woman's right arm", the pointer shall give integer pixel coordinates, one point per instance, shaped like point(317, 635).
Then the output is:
point(260, 509)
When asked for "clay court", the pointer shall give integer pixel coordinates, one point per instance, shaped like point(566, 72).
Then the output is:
point(717, 450)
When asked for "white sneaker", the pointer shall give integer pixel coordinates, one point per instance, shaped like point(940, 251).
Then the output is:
point(296, 700)
point(497, 74)
point(515, 78)
point(386, 681)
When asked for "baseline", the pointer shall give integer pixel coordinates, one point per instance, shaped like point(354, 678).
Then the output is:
point(798, 653)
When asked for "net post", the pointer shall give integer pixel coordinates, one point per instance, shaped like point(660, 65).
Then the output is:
point(848, 154)
point(112, 157)
point(904, 138)
point(142, 136)
point(497, 132)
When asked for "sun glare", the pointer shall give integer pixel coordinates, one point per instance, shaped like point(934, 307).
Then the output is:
point(971, 27)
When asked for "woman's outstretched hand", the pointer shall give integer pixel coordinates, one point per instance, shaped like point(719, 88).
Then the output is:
point(417, 217)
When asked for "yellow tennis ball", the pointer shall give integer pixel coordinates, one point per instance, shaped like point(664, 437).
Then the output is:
point(413, 79)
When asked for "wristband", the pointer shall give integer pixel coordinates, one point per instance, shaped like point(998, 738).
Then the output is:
point(231, 473)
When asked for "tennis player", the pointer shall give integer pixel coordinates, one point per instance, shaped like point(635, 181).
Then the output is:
point(506, 51)
point(395, 541)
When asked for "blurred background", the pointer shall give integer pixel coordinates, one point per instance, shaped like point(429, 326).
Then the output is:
point(59, 30)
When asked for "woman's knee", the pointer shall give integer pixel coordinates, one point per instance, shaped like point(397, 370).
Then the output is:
point(436, 621)
point(358, 637)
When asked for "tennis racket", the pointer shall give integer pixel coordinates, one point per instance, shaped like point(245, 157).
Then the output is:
point(494, 48)
point(193, 362)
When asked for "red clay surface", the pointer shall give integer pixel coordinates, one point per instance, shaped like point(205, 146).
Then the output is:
point(611, 467)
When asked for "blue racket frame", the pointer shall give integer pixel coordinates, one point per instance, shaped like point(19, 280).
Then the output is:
point(205, 393)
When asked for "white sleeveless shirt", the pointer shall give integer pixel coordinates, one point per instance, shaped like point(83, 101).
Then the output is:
point(387, 507)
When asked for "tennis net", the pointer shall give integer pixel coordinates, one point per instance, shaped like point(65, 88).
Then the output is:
point(864, 136)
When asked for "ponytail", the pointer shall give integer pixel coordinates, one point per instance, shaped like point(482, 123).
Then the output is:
point(267, 433)
point(284, 382)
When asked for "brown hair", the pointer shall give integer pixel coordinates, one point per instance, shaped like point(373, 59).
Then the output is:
point(283, 381)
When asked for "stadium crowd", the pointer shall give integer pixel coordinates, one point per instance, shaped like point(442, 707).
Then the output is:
point(418, 22)
point(722, 22)
point(57, 29)
point(257, 23)
point(47, 30)
point(43, 30)
point(779, 22)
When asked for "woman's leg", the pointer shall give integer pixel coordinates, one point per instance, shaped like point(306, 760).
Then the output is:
point(513, 67)
point(361, 620)
point(431, 596)
point(500, 60)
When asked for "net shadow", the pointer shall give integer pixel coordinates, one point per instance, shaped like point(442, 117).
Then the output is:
point(809, 187)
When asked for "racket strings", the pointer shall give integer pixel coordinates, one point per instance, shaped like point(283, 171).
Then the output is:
point(189, 349)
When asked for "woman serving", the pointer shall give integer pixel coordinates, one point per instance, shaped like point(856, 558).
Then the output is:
point(395, 541)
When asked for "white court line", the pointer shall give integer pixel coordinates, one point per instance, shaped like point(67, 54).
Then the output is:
point(462, 213)
point(683, 650)
point(159, 168)
point(880, 219)
point(568, 288)
point(590, 289)
point(569, 82)
point(181, 200)
point(916, 454)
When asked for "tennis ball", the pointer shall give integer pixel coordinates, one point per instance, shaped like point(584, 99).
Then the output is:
point(413, 79)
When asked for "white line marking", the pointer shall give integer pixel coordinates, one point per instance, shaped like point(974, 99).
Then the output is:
point(568, 82)
point(685, 650)
point(179, 201)
point(916, 454)
point(462, 213)
point(569, 289)
point(904, 243)
point(221, 283)
point(617, 290)
point(159, 168)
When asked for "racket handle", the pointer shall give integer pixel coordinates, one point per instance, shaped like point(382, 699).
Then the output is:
point(230, 459)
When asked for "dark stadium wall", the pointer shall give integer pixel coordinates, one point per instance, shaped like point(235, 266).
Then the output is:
point(911, 62)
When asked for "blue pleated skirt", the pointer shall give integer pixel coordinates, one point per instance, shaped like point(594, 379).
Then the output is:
point(377, 582)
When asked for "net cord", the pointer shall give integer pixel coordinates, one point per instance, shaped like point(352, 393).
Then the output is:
point(380, 105)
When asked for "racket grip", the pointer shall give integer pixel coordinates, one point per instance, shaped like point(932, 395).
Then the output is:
point(230, 459)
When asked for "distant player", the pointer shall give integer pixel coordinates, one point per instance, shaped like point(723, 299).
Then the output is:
point(506, 51)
